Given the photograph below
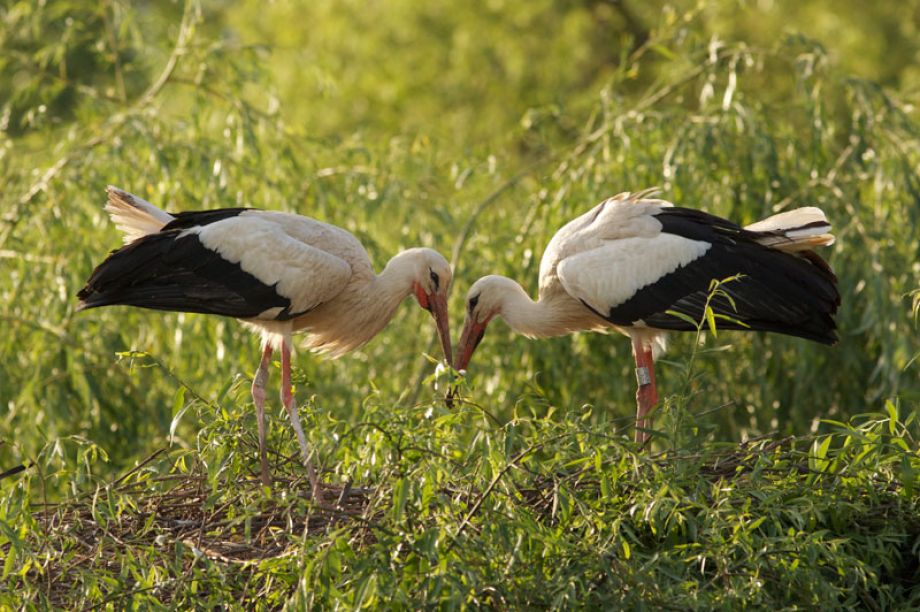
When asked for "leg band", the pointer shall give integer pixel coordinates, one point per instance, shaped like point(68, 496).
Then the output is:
point(643, 377)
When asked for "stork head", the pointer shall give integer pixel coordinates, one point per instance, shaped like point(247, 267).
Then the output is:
point(484, 301)
point(430, 286)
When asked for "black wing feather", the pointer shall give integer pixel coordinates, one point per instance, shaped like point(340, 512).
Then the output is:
point(778, 292)
point(197, 218)
point(172, 270)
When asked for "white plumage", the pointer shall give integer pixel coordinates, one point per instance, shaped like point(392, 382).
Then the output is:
point(814, 230)
point(279, 273)
point(632, 260)
point(310, 264)
point(641, 262)
point(133, 216)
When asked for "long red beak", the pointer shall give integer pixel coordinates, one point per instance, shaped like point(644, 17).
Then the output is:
point(469, 340)
point(438, 305)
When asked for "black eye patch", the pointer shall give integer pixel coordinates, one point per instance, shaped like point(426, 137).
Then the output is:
point(434, 279)
point(472, 303)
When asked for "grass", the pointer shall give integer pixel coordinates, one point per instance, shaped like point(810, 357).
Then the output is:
point(783, 474)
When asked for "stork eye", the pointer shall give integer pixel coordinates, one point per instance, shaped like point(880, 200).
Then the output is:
point(472, 303)
point(434, 279)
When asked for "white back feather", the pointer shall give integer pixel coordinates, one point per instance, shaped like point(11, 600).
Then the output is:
point(625, 215)
point(637, 262)
point(262, 245)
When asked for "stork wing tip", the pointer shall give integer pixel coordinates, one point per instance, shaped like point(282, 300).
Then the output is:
point(117, 193)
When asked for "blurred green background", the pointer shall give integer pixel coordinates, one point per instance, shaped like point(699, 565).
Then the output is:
point(476, 128)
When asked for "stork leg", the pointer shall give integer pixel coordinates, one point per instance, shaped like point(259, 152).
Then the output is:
point(646, 394)
point(258, 397)
point(287, 397)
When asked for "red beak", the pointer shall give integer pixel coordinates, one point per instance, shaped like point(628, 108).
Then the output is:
point(469, 340)
point(438, 306)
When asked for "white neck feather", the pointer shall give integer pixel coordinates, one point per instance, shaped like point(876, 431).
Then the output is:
point(370, 305)
point(393, 283)
point(554, 314)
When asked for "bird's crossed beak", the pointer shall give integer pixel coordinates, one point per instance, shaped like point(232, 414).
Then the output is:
point(436, 304)
point(473, 332)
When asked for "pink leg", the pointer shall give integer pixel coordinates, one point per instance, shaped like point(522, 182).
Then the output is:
point(287, 397)
point(647, 393)
point(258, 396)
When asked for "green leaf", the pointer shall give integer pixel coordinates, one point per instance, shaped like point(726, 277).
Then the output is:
point(400, 496)
point(892, 416)
point(683, 317)
point(10, 563)
point(711, 321)
point(179, 408)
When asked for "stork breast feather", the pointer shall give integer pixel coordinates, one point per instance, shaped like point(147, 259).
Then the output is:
point(607, 276)
point(304, 274)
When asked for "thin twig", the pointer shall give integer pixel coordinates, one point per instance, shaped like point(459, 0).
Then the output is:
point(139, 466)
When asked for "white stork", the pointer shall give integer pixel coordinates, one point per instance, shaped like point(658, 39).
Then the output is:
point(631, 259)
point(279, 273)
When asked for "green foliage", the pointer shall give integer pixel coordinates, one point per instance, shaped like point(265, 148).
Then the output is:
point(477, 129)
point(546, 512)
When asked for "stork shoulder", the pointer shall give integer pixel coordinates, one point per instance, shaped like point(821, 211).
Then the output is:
point(617, 218)
point(320, 235)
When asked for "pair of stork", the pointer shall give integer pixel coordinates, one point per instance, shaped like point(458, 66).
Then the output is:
point(634, 263)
